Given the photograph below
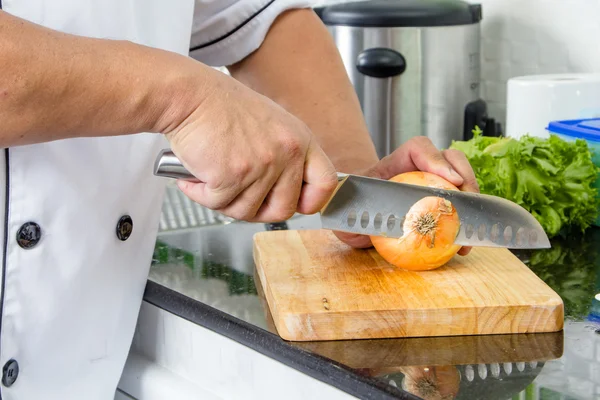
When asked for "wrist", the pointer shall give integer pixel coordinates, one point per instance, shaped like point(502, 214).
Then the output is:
point(176, 86)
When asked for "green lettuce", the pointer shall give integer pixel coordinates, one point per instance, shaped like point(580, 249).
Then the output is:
point(551, 178)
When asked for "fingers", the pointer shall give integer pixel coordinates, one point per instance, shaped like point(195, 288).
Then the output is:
point(460, 163)
point(320, 180)
point(247, 204)
point(355, 240)
point(281, 203)
point(302, 185)
point(417, 154)
point(428, 158)
point(464, 251)
point(219, 187)
point(199, 193)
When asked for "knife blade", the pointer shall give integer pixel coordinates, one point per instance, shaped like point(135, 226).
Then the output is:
point(370, 206)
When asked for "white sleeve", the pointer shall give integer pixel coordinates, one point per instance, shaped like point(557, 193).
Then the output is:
point(226, 31)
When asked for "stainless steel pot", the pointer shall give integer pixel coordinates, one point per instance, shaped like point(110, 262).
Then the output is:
point(415, 66)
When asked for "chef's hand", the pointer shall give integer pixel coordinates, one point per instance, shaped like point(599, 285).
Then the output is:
point(419, 154)
point(256, 162)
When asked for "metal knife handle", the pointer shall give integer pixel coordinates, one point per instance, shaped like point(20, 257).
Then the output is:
point(168, 165)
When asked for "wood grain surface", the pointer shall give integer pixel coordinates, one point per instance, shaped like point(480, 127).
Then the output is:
point(374, 355)
point(318, 288)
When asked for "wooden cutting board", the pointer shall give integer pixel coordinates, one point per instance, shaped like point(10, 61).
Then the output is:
point(373, 355)
point(318, 288)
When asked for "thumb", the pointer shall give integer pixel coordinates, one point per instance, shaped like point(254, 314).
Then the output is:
point(320, 180)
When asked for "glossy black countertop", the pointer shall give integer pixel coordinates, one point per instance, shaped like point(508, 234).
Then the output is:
point(206, 274)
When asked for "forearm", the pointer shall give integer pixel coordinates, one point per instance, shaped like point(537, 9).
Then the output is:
point(56, 86)
point(299, 67)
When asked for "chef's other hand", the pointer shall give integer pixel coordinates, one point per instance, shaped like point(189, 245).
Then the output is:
point(254, 160)
point(419, 154)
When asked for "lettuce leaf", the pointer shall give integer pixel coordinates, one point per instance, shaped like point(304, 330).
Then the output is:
point(551, 178)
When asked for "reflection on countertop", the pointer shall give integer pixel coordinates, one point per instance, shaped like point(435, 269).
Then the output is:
point(214, 265)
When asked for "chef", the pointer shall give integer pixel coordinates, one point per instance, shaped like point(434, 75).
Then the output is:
point(90, 92)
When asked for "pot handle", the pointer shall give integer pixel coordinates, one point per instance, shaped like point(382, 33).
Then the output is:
point(380, 62)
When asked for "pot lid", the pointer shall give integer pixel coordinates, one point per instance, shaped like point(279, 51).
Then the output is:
point(401, 13)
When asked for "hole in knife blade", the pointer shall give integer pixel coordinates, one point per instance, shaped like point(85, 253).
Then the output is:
point(495, 233)
point(391, 222)
point(351, 218)
point(481, 232)
point(469, 230)
point(533, 238)
point(520, 239)
point(377, 221)
point(364, 219)
point(508, 234)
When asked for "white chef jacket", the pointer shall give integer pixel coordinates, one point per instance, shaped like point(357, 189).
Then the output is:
point(80, 216)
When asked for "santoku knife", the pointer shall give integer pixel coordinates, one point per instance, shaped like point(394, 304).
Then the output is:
point(370, 206)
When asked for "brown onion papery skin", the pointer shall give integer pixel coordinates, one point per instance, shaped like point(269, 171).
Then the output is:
point(415, 251)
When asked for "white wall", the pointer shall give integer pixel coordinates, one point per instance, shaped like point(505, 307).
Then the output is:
point(524, 37)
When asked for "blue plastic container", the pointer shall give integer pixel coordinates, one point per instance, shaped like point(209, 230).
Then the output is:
point(586, 129)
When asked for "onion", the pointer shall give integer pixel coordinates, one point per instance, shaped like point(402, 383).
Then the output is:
point(432, 383)
point(430, 228)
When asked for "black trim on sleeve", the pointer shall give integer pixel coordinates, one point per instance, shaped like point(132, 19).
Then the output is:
point(225, 36)
point(5, 244)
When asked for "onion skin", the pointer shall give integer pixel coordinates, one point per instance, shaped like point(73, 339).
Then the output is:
point(430, 228)
point(432, 383)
